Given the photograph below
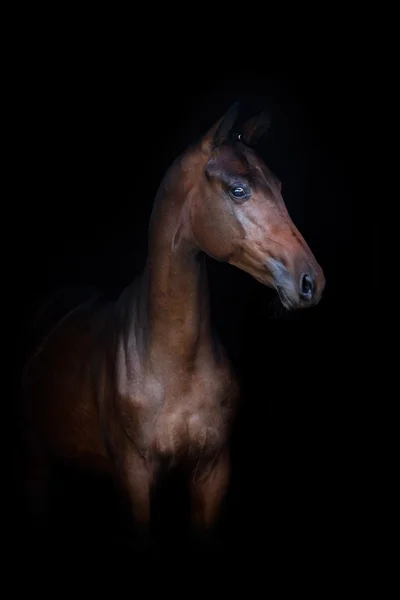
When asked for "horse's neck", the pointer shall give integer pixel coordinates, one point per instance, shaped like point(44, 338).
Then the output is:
point(172, 303)
point(178, 305)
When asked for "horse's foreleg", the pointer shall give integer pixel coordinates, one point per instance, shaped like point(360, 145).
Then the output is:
point(139, 478)
point(207, 491)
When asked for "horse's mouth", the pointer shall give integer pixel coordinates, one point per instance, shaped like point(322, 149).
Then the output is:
point(284, 298)
point(287, 301)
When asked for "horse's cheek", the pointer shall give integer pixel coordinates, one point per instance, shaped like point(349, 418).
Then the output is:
point(213, 231)
point(220, 238)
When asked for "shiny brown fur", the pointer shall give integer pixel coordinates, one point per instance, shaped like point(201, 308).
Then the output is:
point(125, 386)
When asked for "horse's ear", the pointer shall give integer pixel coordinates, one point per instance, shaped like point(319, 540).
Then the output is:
point(254, 128)
point(219, 133)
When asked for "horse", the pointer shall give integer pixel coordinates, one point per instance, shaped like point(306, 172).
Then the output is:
point(139, 385)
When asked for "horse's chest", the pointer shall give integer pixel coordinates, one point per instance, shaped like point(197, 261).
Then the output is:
point(184, 417)
point(190, 426)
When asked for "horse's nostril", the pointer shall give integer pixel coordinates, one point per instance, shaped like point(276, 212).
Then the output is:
point(307, 287)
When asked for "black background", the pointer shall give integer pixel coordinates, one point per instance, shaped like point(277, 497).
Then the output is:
point(96, 131)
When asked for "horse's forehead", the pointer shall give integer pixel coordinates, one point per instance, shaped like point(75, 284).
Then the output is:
point(232, 161)
point(243, 161)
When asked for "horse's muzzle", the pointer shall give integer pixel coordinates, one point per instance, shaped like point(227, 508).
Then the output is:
point(297, 291)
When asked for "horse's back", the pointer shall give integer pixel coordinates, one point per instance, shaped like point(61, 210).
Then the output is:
point(58, 393)
point(52, 308)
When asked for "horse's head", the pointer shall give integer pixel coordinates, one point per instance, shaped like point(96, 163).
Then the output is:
point(238, 215)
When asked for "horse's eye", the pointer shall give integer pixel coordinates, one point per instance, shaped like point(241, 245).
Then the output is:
point(238, 192)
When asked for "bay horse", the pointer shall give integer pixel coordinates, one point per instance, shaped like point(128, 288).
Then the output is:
point(142, 382)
